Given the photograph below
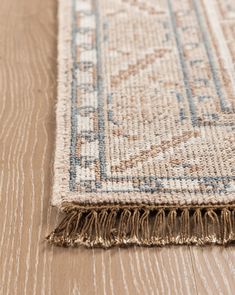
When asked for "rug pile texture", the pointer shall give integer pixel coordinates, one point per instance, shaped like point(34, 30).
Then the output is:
point(145, 139)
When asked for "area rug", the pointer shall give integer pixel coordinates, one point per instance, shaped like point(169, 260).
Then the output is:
point(145, 138)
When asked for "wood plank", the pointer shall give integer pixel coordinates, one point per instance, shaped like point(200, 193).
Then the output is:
point(126, 271)
point(27, 119)
point(214, 269)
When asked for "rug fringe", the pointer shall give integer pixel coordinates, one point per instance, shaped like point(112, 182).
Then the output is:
point(145, 226)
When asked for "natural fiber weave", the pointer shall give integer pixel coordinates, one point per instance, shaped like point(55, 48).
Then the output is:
point(145, 140)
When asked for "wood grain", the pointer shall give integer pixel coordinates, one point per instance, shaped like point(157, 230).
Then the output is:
point(27, 125)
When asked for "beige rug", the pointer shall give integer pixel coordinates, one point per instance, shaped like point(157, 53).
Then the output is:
point(145, 141)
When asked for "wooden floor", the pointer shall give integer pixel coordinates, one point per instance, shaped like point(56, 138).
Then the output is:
point(27, 128)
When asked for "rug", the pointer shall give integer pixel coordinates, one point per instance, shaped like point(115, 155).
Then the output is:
point(145, 138)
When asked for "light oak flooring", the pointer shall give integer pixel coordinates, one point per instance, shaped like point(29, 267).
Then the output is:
point(28, 30)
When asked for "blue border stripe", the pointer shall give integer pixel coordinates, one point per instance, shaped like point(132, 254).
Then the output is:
point(101, 123)
point(183, 66)
point(73, 145)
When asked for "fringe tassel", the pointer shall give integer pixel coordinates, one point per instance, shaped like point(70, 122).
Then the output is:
point(146, 226)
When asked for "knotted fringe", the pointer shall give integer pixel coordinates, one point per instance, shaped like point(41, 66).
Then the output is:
point(107, 226)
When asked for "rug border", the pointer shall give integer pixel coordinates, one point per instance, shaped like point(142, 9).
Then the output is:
point(63, 105)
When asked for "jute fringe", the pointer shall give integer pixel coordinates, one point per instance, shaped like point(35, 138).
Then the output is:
point(111, 225)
